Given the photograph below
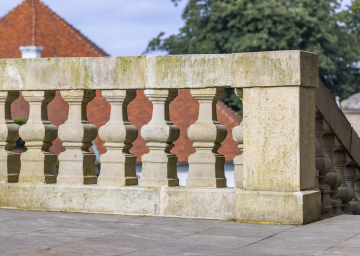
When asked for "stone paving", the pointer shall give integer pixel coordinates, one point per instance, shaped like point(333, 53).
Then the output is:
point(57, 233)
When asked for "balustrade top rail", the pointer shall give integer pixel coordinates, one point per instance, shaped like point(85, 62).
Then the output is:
point(156, 72)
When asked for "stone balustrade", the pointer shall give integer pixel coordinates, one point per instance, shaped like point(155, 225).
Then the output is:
point(300, 156)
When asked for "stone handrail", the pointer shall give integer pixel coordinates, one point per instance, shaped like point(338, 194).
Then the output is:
point(144, 72)
point(276, 179)
point(338, 157)
point(338, 123)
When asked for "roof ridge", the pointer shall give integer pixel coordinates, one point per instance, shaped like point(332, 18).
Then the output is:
point(33, 29)
point(80, 36)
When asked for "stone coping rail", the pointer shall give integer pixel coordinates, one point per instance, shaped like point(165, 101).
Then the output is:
point(299, 155)
point(337, 122)
point(153, 72)
point(338, 157)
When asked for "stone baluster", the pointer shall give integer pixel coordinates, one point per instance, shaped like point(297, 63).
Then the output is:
point(9, 160)
point(345, 193)
point(118, 164)
point(329, 145)
point(159, 165)
point(38, 164)
point(238, 136)
point(77, 163)
point(352, 179)
point(323, 165)
point(206, 165)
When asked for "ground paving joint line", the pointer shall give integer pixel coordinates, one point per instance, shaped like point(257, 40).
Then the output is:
point(337, 244)
point(263, 239)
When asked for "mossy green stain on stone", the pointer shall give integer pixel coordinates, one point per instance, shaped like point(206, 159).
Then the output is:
point(2, 74)
point(129, 72)
point(189, 71)
point(286, 68)
point(79, 74)
point(281, 68)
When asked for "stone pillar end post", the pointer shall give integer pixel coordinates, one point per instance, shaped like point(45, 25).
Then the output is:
point(279, 173)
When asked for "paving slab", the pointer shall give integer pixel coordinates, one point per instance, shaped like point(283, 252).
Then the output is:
point(344, 250)
point(41, 233)
point(228, 241)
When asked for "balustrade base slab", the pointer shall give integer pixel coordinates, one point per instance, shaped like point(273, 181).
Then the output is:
point(129, 200)
point(300, 207)
point(210, 203)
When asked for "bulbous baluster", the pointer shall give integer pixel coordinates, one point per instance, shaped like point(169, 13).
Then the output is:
point(206, 165)
point(9, 160)
point(323, 165)
point(159, 165)
point(352, 179)
point(118, 164)
point(345, 193)
point(77, 163)
point(38, 164)
point(329, 145)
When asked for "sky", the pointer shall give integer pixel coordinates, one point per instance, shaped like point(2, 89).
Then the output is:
point(120, 27)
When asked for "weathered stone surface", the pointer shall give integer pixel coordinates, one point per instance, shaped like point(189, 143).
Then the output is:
point(149, 72)
point(323, 164)
point(118, 164)
point(279, 132)
point(238, 135)
point(167, 201)
point(198, 202)
point(159, 165)
point(279, 173)
point(206, 165)
point(277, 68)
point(276, 178)
point(352, 179)
point(188, 71)
point(140, 72)
point(300, 207)
point(72, 73)
point(81, 198)
point(344, 192)
point(9, 133)
point(224, 203)
point(38, 164)
point(330, 144)
point(77, 163)
point(338, 122)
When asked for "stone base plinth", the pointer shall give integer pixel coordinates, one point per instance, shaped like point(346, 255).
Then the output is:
point(210, 203)
point(297, 208)
point(81, 198)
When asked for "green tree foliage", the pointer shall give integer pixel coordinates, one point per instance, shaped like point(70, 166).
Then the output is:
point(351, 17)
point(233, 26)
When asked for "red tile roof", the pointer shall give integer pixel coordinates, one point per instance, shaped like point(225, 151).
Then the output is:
point(32, 22)
point(50, 31)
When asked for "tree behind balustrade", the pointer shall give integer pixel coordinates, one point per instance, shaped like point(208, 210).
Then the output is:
point(232, 26)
